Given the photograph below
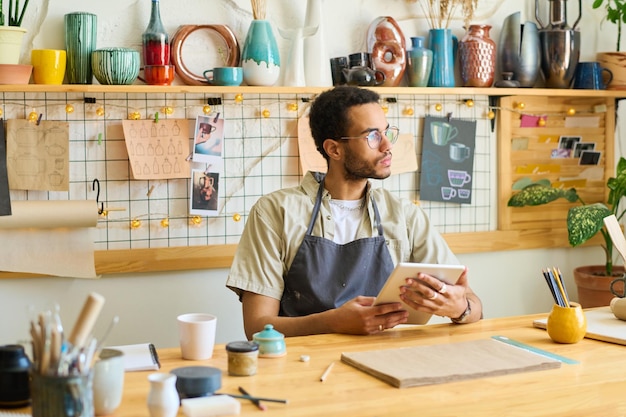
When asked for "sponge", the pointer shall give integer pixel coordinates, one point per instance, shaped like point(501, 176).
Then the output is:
point(216, 405)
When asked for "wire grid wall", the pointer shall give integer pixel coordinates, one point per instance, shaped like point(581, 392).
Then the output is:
point(260, 155)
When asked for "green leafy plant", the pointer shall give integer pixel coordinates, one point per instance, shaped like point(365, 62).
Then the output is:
point(16, 13)
point(583, 221)
point(615, 13)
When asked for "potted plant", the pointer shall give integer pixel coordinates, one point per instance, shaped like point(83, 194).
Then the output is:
point(614, 60)
point(11, 35)
point(584, 221)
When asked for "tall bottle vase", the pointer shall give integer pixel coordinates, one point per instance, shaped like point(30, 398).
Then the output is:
point(477, 57)
point(260, 58)
point(317, 70)
point(420, 63)
point(444, 45)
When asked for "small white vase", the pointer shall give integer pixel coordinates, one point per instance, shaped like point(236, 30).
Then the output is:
point(163, 400)
point(11, 44)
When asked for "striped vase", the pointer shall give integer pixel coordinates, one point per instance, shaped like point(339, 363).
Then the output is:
point(80, 42)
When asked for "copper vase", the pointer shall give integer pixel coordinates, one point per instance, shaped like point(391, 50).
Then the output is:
point(477, 56)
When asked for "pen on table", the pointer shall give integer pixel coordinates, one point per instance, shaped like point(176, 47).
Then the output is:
point(327, 372)
point(249, 397)
point(255, 401)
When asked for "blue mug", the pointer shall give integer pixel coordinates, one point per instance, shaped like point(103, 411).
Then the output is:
point(592, 76)
point(232, 76)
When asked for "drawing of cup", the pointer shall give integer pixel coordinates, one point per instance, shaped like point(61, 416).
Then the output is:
point(442, 132)
point(463, 193)
point(448, 193)
point(458, 178)
point(459, 152)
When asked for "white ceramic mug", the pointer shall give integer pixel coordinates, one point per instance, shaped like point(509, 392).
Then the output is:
point(108, 381)
point(197, 335)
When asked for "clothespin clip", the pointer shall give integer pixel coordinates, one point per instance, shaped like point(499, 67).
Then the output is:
point(207, 169)
point(449, 116)
point(391, 100)
point(100, 138)
point(217, 116)
point(189, 157)
point(39, 119)
point(156, 117)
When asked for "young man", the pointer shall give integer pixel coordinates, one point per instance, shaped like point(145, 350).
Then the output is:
point(312, 258)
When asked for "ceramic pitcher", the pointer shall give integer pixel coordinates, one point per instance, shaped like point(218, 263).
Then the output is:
point(443, 44)
point(163, 399)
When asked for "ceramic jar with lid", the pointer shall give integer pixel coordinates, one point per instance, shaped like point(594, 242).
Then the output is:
point(242, 358)
point(14, 377)
point(271, 342)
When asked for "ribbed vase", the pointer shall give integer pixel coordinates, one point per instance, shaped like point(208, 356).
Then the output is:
point(80, 42)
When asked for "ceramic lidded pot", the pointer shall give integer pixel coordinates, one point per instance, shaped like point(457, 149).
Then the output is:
point(14, 377)
point(271, 342)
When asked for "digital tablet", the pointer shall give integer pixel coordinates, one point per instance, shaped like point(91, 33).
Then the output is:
point(390, 293)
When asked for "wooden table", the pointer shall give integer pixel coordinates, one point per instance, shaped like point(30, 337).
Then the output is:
point(594, 387)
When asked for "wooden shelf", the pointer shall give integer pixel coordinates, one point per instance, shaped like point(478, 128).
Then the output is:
point(187, 89)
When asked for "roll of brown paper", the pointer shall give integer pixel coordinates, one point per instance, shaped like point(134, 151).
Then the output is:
point(51, 214)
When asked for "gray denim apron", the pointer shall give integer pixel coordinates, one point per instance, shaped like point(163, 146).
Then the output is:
point(324, 274)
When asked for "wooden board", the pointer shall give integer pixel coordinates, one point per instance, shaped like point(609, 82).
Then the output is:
point(601, 325)
point(437, 364)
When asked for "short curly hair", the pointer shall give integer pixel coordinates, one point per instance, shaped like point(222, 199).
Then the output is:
point(328, 118)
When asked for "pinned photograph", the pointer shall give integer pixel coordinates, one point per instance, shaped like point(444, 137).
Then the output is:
point(583, 146)
point(208, 139)
point(204, 195)
point(589, 158)
point(568, 142)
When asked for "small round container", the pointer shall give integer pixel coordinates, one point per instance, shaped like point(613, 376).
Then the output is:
point(271, 342)
point(242, 358)
point(197, 381)
point(567, 324)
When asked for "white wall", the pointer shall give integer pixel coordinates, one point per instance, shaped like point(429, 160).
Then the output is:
point(509, 283)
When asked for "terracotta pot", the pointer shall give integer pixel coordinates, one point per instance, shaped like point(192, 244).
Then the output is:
point(593, 285)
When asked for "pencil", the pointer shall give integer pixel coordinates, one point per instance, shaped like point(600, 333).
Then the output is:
point(327, 372)
point(249, 397)
point(255, 401)
point(561, 290)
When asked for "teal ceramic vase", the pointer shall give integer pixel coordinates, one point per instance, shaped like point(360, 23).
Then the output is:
point(420, 63)
point(260, 58)
point(443, 44)
point(80, 42)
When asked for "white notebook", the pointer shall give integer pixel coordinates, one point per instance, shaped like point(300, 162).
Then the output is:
point(139, 357)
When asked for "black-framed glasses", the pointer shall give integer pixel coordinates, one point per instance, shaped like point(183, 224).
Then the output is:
point(374, 136)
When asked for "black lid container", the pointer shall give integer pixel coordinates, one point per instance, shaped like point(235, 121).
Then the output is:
point(14, 377)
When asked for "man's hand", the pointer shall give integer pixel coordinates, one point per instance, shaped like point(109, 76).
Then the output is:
point(360, 316)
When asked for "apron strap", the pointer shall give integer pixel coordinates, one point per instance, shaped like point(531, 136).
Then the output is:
point(318, 203)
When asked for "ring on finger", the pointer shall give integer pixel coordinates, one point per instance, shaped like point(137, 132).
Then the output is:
point(435, 295)
point(443, 289)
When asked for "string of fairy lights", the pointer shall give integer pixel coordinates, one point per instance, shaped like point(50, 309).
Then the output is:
point(404, 107)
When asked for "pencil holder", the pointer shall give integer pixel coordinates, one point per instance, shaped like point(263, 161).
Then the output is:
point(567, 324)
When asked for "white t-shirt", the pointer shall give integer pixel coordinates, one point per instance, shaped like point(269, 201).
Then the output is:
point(347, 215)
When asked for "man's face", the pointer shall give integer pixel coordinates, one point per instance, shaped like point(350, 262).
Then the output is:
point(360, 160)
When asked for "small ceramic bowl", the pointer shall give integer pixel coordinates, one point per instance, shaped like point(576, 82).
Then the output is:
point(115, 66)
point(197, 381)
point(271, 342)
point(15, 74)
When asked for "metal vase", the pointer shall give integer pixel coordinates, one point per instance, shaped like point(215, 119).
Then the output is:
point(520, 50)
point(560, 53)
point(560, 45)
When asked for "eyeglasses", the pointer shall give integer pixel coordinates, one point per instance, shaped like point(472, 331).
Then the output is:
point(374, 137)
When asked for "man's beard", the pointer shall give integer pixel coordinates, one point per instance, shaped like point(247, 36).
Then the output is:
point(356, 169)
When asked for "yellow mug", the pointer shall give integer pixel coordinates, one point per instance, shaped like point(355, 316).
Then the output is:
point(48, 65)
